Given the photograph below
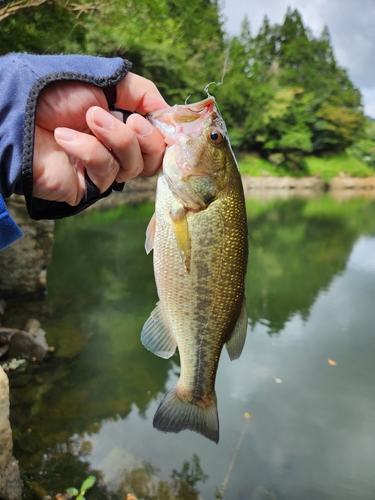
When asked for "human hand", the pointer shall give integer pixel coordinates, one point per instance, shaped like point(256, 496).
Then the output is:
point(75, 133)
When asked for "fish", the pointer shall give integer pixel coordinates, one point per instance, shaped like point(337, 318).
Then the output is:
point(199, 239)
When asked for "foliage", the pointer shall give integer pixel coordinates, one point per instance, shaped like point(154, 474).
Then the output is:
point(290, 95)
point(191, 472)
point(364, 150)
point(143, 482)
point(78, 494)
point(328, 167)
point(284, 95)
point(51, 27)
point(257, 167)
point(297, 247)
point(86, 485)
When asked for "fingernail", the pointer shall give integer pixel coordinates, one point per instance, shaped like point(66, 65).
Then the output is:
point(102, 118)
point(141, 126)
point(65, 134)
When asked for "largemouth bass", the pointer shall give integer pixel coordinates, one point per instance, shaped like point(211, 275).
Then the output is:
point(199, 237)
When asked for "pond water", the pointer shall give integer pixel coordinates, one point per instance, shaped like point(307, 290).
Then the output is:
point(306, 376)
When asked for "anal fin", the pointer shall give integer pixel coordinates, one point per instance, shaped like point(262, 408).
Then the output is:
point(237, 340)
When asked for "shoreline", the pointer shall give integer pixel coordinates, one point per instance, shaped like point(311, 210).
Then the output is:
point(343, 181)
point(142, 189)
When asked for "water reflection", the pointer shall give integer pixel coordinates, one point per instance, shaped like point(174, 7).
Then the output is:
point(296, 247)
point(310, 281)
point(142, 479)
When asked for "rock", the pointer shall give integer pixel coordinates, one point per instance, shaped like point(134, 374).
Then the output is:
point(29, 346)
point(138, 190)
point(342, 181)
point(33, 326)
point(5, 336)
point(2, 306)
point(6, 333)
point(29, 343)
point(345, 181)
point(298, 183)
point(10, 481)
point(3, 350)
point(24, 264)
point(276, 158)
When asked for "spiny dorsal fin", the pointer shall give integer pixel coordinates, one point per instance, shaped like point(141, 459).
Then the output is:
point(156, 335)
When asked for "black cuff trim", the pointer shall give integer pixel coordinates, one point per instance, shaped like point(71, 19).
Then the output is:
point(111, 95)
point(43, 209)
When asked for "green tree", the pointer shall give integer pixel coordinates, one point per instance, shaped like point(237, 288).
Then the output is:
point(294, 98)
point(179, 46)
point(283, 94)
point(43, 27)
point(364, 149)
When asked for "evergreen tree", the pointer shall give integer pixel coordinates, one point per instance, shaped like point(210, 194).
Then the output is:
point(284, 95)
point(300, 101)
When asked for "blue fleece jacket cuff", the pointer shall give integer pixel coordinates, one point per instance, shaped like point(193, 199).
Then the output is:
point(9, 231)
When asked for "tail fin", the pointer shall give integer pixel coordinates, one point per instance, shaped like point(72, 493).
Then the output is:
point(176, 414)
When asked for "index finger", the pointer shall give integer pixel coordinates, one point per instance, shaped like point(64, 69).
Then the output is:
point(135, 93)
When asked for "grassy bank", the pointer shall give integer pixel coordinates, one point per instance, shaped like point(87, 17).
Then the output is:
point(326, 167)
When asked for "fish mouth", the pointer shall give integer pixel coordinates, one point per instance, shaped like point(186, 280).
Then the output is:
point(184, 113)
point(183, 119)
point(191, 112)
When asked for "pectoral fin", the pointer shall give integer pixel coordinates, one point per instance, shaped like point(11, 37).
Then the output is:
point(156, 335)
point(182, 234)
point(237, 339)
point(150, 234)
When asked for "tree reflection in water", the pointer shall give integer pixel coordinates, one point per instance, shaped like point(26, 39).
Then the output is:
point(143, 482)
point(296, 249)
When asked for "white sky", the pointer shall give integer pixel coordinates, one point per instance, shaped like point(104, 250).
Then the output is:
point(351, 24)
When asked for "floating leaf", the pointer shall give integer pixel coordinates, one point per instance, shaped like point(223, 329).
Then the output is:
point(331, 362)
point(88, 483)
point(72, 491)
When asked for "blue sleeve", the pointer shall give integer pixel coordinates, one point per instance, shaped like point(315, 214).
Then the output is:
point(22, 78)
point(9, 231)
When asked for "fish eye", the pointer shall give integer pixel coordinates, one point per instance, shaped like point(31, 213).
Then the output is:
point(215, 136)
